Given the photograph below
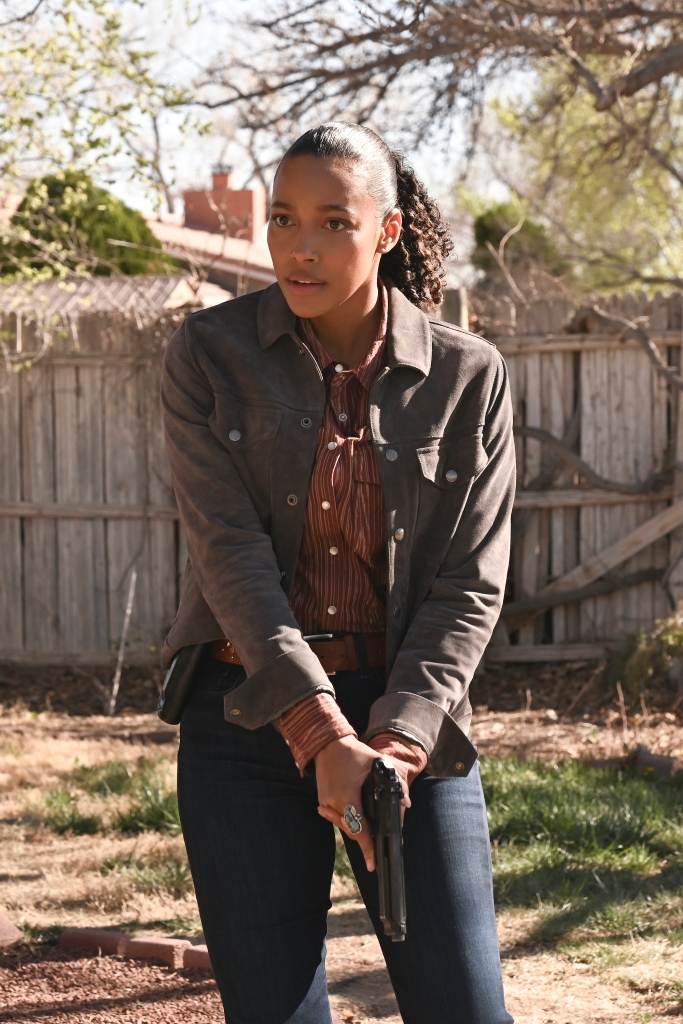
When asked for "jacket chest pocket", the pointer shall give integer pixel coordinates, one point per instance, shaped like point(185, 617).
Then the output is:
point(451, 463)
point(240, 428)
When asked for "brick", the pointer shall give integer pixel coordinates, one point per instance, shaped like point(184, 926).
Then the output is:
point(93, 938)
point(197, 956)
point(171, 951)
point(9, 933)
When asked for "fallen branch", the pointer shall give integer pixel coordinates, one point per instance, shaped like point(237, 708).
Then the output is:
point(570, 458)
point(606, 585)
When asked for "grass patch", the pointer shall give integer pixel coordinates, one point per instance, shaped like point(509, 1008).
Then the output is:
point(159, 875)
point(153, 807)
point(591, 850)
point(110, 779)
point(63, 815)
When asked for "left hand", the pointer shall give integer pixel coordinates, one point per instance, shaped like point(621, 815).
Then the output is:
point(341, 768)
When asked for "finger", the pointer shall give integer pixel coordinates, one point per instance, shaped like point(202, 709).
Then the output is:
point(365, 841)
point(331, 815)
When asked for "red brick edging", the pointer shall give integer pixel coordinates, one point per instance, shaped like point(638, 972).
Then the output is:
point(174, 952)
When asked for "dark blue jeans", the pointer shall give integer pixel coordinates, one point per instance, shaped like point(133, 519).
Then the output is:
point(262, 861)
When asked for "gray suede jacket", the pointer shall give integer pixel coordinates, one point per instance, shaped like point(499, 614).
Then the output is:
point(243, 400)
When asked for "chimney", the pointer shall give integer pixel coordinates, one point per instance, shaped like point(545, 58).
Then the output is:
point(239, 213)
point(222, 177)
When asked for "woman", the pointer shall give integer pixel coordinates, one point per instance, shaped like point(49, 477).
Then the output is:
point(344, 469)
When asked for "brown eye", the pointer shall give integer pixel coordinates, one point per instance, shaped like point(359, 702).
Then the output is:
point(336, 225)
point(281, 219)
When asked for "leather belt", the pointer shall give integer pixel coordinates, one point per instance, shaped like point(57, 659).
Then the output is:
point(336, 654)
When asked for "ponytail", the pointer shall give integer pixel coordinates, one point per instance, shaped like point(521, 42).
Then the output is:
point(415, 264)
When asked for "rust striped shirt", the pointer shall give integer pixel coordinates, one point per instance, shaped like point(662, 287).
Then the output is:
point(341, 574)
point(341, 571)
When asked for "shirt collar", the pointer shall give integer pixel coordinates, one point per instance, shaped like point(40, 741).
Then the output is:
point(367, 369)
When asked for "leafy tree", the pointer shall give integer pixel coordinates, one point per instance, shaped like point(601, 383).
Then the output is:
point(611, 205)
point(66, 224)
point(78, 89)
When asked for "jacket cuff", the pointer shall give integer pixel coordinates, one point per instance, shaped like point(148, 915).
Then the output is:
point(275, 688)
point(312, 724)
point(424, 722)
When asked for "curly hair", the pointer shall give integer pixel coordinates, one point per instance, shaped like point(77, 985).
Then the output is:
point(415, 264)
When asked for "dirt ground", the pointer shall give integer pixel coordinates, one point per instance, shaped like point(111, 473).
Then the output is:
point(49, 881)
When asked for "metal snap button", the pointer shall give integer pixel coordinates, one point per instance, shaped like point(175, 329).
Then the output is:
point(332, 610)
point(332, 445)
point(306, 421)
point(325, 505)
point(400, 533)
point(459, 766)
point(334, 551)
point(339, 367)
point(235, 712)
point(234, 435)
point(451, 476)
point(391, 454)
point(292, 499)
point(343, 417)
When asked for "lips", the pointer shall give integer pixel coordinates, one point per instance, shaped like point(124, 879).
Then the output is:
point(304, 285)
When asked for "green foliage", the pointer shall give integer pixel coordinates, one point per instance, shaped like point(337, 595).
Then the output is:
point(530, 243)
point(163, 873)
point(643, 661)
point(63, 815)
point(79, 89)
point(154, 807)
point(595, 851)
point(65, 224)
point(605, 184)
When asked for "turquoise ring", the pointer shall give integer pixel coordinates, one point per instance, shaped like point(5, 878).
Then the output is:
point(353, 820)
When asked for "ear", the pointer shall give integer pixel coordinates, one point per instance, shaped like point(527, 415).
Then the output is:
point(391, 231)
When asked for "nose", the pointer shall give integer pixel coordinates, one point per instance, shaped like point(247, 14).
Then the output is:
point(303, 250)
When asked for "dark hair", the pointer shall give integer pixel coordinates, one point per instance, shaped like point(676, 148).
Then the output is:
point(415, 264)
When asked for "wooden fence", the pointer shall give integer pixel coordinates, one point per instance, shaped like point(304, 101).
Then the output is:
point(602, 396)
point(85, 495)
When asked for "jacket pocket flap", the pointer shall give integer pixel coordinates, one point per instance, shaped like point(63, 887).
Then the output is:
point(450, 463)
point(239, 427)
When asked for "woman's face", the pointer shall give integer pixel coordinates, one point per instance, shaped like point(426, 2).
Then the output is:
point(324, 233)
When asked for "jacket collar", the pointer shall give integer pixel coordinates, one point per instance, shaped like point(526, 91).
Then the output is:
point(408, 338)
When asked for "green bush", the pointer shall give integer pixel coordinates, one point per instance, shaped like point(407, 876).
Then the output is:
point(64, 816)
point(644, 661)
point(65, 223)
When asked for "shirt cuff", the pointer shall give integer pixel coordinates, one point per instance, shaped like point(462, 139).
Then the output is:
point(310, 725)
point(409, 758)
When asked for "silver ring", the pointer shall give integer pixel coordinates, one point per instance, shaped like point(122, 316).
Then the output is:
point(353, 820)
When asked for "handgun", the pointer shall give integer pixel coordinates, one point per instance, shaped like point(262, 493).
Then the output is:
point(382, 795)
